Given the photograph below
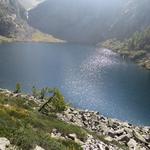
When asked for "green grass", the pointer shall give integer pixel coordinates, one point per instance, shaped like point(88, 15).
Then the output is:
point(26, 127)
point(5, 39)
point(41, 37)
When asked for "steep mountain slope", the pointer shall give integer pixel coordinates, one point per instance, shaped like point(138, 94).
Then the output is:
point(13, 24)
point(133, 17)
point(132, 31)
point(91, 21)
point(84, 21)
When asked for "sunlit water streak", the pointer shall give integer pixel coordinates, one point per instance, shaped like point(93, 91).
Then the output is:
point(92, 70)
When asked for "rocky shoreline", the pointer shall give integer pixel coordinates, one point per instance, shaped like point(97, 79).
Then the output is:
point(105, 133)
point(113, 130)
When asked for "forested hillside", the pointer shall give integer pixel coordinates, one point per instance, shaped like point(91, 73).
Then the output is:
point(137, 47)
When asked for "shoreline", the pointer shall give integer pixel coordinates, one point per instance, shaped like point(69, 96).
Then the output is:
point(11, 40)
point(112, 132)
point(10, 93)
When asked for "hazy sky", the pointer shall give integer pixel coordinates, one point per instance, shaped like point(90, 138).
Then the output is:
point(29, 4)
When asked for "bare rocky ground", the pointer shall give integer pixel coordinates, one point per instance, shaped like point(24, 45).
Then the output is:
point(112, 130)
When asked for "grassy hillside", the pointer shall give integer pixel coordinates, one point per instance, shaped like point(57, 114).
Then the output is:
point(26, 127)
point(44, 119)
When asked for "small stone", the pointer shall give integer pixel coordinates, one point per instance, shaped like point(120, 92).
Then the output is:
point(111, 134)
point(38, 148)
point(106, 148)
point(147, 138)
point(72, 136)
point(124, 138)
point(142, 148)
point(119, 132)
point(132, 143)
point(109, 139)
point(126, 124)
point(54, 130)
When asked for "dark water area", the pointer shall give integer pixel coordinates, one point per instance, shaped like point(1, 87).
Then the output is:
point(89, 77)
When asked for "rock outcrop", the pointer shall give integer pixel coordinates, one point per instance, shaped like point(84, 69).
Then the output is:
point(13, 24)
point(112, 130)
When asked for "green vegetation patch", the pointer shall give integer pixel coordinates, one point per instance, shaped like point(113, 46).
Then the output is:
point(5, 39)
point(27, 127)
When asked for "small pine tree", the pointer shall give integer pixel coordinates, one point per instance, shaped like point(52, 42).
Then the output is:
point(43, 93)
point(34, 92)
point(55, 103)
point(58, 101)
point(18, 88)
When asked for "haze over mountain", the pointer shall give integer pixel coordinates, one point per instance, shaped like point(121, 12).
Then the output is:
point(90, 21)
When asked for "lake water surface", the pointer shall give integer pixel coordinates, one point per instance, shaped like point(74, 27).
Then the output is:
point(89, 77)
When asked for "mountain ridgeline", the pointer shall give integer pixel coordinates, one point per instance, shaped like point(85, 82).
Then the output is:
point(89, 21)
point(86, 21)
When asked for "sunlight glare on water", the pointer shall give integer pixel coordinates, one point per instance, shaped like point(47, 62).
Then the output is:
point(87, 75)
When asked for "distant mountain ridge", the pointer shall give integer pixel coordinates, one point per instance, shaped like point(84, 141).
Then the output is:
point(90, 21)
point(133, 17)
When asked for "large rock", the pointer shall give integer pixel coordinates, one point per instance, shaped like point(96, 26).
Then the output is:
point(4, 143)
point(139, 137)
point(132, 144)
point(124, 138)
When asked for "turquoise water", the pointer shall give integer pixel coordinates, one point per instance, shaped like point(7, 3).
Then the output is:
point(89, 77)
